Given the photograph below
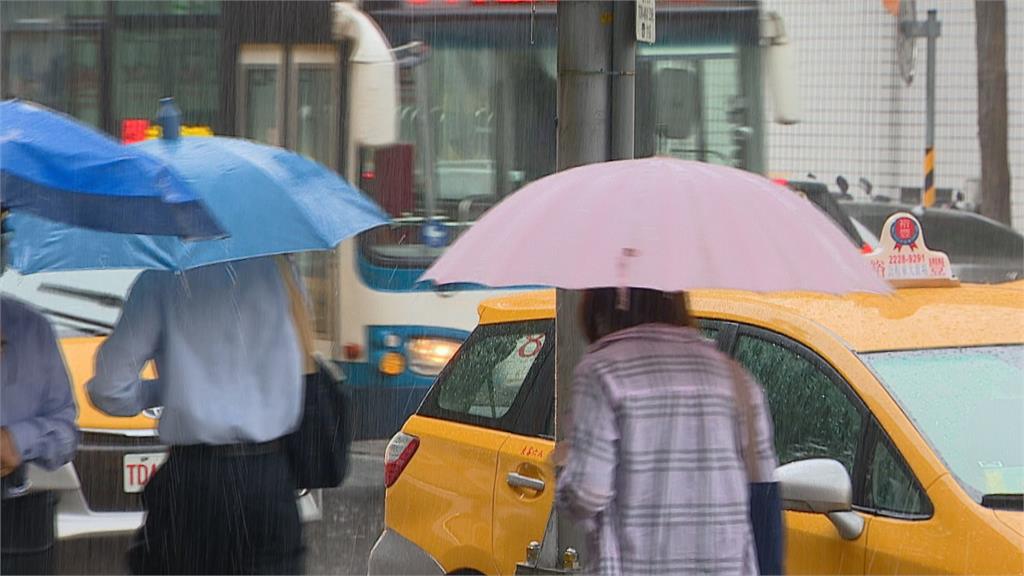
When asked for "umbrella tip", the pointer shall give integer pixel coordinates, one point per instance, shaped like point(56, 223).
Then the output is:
point(169, 119)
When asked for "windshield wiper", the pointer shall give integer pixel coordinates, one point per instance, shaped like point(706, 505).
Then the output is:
point(106, 327)
point(79, 328)
point(101, 298)
point(1003, 501)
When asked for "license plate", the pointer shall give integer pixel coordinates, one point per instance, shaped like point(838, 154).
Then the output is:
point(139, 468)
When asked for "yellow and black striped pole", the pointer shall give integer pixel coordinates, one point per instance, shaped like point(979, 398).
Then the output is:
point(932, 31)
point(929, 177)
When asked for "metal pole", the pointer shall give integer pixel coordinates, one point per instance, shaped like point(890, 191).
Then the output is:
point(584, 122)
point(623, 79)
point(426, 136)
point(932, 31)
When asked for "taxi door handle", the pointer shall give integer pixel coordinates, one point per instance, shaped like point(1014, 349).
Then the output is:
point(517, 480)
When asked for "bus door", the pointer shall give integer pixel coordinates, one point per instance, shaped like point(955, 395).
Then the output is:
point(290, 95)
point(693, 104)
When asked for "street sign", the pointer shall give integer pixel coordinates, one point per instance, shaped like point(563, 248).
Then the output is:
point(435, 234)
point(645, 21)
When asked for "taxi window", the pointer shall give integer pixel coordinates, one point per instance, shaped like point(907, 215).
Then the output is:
point(813, 416)
point(488, 378)
point(892, 489)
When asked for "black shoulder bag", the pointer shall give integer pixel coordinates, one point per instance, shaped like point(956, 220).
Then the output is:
point(318, 449)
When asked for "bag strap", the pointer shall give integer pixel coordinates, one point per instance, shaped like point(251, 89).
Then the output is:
point(300, 316)
point(742, 393)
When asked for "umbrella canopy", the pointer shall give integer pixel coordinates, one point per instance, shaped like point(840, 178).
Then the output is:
point(657, 223)
point(269, 200)
point(55, 167)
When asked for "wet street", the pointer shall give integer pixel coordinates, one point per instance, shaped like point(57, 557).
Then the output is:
point(353, 517)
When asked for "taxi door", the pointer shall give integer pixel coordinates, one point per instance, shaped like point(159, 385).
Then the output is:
point(459, 480)
point(525, 481)
point(815, 415)
point(813, 546)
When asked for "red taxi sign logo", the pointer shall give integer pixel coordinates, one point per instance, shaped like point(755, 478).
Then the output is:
point(905, 230)
point(139, 129)
point(904, 259)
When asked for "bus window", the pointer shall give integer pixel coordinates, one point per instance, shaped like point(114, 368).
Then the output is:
point(261, 90)
point(313, 125)
point(307, 121)
point(478, 109)
point(260, 93)
point(689, 103)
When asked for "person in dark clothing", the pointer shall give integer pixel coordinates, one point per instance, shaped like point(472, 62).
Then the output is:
point(37, 426)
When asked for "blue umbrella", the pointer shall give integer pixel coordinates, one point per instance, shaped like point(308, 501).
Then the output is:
point(269, 201)
point(55, 167)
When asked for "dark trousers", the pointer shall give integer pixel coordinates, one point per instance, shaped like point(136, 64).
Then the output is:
point(220, 510)
point(27, 534)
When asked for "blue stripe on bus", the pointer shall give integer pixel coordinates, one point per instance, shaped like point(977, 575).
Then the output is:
point(398, 279)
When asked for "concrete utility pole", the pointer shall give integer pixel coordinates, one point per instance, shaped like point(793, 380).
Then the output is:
point(584, 137)
point(596, 103)
point(623, 80)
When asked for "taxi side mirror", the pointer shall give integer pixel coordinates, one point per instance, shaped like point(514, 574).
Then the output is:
point(821, 486)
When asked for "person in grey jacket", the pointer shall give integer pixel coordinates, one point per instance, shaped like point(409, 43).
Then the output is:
point(37, 425)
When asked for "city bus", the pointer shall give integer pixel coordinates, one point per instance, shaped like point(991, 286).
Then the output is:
point(435, 108)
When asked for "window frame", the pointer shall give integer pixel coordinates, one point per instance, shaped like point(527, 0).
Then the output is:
point(539, 404)
point(510, 420)
point(877, 437)
point(861, 456)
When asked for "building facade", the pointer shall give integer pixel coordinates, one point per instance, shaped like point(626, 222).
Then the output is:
point(106, 62)
point(862, 120)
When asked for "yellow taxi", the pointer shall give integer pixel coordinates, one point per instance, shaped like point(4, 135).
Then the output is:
point(915, 398)
point(100, 490)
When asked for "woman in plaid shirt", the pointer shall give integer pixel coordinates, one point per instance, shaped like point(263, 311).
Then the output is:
point(662, 466)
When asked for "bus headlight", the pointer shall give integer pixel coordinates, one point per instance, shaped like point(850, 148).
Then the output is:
point(427, 356)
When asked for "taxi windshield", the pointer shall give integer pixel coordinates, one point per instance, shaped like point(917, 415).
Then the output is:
point(78, 303)
point(967, 403)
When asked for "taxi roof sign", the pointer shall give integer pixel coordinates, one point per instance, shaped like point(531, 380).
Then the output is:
point(904, 259)
point(139, 129)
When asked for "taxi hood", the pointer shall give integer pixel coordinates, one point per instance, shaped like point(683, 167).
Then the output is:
point(80, 354)
point(1012, 519)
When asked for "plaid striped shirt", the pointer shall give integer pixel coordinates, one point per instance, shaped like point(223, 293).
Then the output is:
point(654, 467)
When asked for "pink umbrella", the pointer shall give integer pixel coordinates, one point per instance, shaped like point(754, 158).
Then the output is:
point(657, 223)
